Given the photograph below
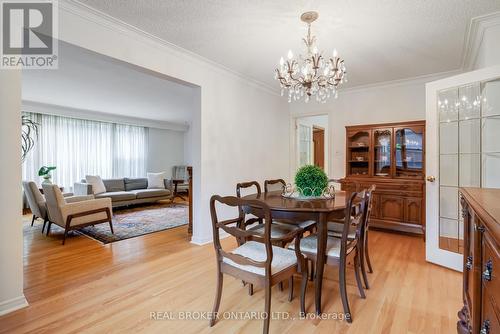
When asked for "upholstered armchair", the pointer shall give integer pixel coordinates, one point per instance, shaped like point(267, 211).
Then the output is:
point(77, 211)
point(36, 202)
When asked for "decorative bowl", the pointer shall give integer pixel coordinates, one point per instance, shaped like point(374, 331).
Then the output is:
point(296, 193)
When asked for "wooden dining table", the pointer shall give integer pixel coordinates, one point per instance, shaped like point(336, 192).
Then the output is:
point(294, 211)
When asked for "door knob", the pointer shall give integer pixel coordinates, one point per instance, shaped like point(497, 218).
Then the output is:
point(431, 178)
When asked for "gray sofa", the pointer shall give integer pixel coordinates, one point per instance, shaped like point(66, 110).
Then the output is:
point(127, 191)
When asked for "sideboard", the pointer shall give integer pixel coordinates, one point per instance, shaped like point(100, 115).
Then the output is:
point(481, 280)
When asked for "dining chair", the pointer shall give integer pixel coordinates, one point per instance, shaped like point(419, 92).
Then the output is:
point(339, 249)
point(256, 261)
point(335, 229)
point(281, 233)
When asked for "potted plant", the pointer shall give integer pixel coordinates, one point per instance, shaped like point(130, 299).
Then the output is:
point(311, 181)
point(44, 172)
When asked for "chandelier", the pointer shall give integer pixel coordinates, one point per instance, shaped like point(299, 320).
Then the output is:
point(312, 74)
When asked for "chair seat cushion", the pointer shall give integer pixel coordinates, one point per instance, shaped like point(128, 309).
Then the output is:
point(309, 244)
point(278, 230)
point(282, 258)
point(117, 195)
point(147, 193)
point(336, 229)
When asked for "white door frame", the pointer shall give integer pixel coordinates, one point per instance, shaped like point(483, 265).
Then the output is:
point(433, 253)
point(294, 141)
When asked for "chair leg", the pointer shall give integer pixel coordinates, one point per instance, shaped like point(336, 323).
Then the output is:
point(303, 287)
point(311, 278)
point(280, 286)
point(218, 294)
point(48, 228)
point(343, 290)
point(33, 220)
point(44, 223)
point(290, 288)
point(362, 265)
point(267, 309)
point(64, 237)
point(250, 289)
point(357, 269)
point(111, 227)
point(367, 254)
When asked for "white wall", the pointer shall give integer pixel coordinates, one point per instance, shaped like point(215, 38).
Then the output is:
point(392, 102)
point(242, 130)
point(11, 242)
point(165, 150)
point(489, 49)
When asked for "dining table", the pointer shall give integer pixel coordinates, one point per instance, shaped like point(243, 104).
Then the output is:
point(296, 210)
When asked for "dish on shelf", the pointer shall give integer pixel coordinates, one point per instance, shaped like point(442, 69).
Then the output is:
point(361, 144)
point(382, 174)
point(360, 159)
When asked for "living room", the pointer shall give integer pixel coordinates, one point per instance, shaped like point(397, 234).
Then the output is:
point(190, 84)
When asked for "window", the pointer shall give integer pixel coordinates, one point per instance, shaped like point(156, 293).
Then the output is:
point(80, 147)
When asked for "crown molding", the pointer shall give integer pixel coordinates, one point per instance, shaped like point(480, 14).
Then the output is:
point(401, 82)
point(474, 37)
point(107, 21)
point(58, 110)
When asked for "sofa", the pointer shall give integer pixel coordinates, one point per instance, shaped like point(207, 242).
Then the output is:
point(127, 191)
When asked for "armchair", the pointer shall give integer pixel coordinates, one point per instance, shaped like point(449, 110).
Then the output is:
point(36, 202)
point(76, 212)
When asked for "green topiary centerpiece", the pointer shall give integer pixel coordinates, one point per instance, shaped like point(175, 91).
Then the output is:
point(311, 180)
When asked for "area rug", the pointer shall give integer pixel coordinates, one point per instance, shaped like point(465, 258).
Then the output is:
point(134, 222)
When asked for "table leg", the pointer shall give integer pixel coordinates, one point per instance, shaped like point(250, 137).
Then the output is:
point(320, 261)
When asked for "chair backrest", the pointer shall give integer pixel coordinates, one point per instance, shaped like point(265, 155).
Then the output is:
point(245, 185)
point(55, 200)
point(355, 213)
point(180, 173)
point(35, 199)
point(268, 185)
point(235, 227)
point(369, 204)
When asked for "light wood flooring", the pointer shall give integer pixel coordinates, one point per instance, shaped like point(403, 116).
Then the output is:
point(85, 286)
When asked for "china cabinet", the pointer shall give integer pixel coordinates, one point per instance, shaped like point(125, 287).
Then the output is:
point(392, 157)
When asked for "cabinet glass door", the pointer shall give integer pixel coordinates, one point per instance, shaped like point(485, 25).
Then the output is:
point(358, 153)
point(409, 152)
point(382, 158)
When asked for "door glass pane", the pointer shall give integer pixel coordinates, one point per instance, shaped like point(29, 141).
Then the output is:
point(448, 169)
point(490, 98)
point(409, 154)
point(448, 201)
point(470, 170)
point(448, 138)
point(491, 135)
point(304, 145)
point(470, 136)
point(491, 170)
point(470, 102)
point(448, 105)
point(382, 150)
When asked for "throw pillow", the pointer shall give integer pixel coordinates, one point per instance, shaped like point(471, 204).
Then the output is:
point(156, 180)
point(96, 183)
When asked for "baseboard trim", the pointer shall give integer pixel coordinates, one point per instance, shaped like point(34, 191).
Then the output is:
point(13, 304)
point(205, 241)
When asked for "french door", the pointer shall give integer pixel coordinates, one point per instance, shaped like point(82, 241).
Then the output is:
point(463, 150)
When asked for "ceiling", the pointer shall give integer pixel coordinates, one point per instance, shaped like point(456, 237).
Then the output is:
point(90, 81)
point(380, 40)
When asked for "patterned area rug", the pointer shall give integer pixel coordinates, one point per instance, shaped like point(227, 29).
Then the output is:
point(141, 220)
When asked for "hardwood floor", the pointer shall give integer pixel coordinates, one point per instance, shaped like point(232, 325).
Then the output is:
point(88, 287)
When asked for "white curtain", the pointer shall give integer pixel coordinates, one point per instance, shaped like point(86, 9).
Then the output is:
point(80, 147)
